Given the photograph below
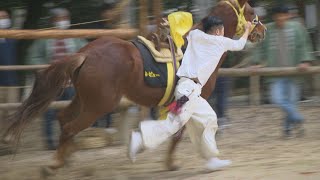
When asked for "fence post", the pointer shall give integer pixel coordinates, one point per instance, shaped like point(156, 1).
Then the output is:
point(157, 12)
point(129, 119)
point(143, 17)
point(254, 96)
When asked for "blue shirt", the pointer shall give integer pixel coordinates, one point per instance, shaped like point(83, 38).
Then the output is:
point(8, 56)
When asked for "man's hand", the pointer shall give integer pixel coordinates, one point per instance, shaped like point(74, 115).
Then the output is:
point(248, 26)
point(303, 66)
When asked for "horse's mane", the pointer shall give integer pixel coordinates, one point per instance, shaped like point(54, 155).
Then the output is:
point(213, 11)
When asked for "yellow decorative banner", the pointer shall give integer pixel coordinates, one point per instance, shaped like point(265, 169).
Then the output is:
point(180, 23)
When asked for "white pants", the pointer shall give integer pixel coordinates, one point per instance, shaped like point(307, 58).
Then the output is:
point(196, 114)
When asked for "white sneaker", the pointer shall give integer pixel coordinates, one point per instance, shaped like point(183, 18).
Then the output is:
point(216, 164)
point(135, 145)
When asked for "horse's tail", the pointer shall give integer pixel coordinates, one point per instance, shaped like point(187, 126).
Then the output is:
point(48, 85)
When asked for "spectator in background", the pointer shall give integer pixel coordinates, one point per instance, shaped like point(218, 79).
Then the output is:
point(107, 16)
point(293, 13)
point(45, 51)
point(152, 26)
point(287, 44)
point(8, 56)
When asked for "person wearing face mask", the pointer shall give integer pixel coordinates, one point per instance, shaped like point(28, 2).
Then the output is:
point(8, 54)
point(5, 21)
point(45, 51)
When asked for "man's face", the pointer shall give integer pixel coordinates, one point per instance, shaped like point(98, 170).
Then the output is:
point(61, 21)
point(107, 15)
point(4, 20)
point(4, 15)
point(61, 18)
point(280, 19)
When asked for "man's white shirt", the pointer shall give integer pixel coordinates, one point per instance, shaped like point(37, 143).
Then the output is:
point(203, 54)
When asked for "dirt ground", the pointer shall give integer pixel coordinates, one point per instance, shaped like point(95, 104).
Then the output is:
point(253, 142)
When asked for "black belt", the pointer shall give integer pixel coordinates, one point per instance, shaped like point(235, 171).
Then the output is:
point(196, 80)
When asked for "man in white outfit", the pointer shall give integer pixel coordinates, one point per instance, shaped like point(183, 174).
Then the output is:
point(200, 60)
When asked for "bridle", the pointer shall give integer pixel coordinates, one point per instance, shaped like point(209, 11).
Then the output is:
point(241, 18)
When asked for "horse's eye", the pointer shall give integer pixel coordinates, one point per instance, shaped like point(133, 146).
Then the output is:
point(255, 21)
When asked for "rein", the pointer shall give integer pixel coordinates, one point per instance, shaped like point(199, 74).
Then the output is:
point(241, 18)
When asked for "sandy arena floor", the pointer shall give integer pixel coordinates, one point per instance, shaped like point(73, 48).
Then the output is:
point(253, 142)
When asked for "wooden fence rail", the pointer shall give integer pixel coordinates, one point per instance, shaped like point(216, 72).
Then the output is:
point(23, 67)
point(69, 33)
point(230, 72)
point(124, 103)
point(254, 75)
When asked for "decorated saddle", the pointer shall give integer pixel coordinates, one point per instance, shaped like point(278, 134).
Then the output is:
point(159, 67)
point(161, 53)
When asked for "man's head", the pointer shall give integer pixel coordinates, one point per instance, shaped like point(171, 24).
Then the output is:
point(280, 15)
point(213, 25)
point(5, 21)
point(60, 18)
point(107, 12)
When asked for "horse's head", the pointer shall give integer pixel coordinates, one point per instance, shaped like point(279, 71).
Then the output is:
point(235, 14)
point(259, 30)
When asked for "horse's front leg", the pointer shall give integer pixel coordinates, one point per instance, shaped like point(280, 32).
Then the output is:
point(176, 138)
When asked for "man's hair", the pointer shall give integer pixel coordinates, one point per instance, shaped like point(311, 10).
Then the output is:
point(280, 8)
point(55, 12)
point(107, 6)
point(6, 10)
point(211, 22)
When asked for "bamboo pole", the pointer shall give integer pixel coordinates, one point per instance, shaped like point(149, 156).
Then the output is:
point(283, 71)
point(157, 12)
point(230, 72)
point(143, 21)
point(254, 96)
point(124, 103)
point(70, 33)
point(23, 67)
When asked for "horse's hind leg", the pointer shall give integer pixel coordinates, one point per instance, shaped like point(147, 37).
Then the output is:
point(71, 112)
point(69, 130)
point(66, 115)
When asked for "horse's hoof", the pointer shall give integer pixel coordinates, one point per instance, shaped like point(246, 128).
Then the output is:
point(46, 172)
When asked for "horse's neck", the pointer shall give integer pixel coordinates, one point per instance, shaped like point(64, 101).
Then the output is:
point(242, 2)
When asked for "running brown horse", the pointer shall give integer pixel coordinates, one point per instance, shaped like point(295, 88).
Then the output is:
point(102, 73)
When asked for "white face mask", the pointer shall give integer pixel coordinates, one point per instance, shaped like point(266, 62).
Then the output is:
point(62, 24)
point(5, 23)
